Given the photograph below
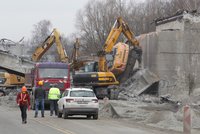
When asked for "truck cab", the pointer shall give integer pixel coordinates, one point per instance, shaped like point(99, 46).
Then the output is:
point(50, 73)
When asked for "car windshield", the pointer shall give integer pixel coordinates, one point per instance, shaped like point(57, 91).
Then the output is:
point(82, 93)
point(53, 72)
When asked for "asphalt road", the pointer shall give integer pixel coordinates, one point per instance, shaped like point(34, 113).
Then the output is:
point(10, 123)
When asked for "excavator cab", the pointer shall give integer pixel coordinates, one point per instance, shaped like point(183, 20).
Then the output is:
point(91, 67)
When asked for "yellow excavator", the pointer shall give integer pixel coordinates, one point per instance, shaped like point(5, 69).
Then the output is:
point(76, 62)
point(54, 37)
point(10, 80)
point(103, 74)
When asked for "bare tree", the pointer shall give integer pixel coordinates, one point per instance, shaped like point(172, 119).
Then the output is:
point(186, 5)
point(95, 20)
point(40, 31)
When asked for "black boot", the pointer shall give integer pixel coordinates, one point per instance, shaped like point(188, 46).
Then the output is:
point(25, 121)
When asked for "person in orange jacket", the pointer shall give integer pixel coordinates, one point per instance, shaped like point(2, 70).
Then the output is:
point(23, 101)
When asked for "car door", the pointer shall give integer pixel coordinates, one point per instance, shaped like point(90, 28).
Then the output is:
point(62, 100)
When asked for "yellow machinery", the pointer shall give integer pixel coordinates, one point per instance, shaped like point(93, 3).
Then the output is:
point(76, 61)
point(124, 58)
point(10, 80)
point(54, 37)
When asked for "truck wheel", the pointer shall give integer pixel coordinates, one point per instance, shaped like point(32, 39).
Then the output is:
point(33, 105)
point(95, 117)
point(32, 100)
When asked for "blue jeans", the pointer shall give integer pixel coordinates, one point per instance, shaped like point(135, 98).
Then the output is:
point(39, 102)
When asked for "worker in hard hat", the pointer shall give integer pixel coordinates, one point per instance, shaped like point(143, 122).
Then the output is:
point(53, 96)
point(39, 99)
point(23, 101)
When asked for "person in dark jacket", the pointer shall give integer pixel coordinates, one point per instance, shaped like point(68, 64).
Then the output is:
point(23, 101)
point(39, 99)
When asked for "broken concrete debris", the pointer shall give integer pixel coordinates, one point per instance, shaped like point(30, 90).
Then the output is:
point(142, 82)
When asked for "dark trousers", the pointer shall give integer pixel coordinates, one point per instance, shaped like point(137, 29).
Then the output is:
point(53, 106)
point(23, 109)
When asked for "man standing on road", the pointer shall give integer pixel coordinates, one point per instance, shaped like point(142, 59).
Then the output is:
point(53, 96)
point(39, 99)
point(23, 101)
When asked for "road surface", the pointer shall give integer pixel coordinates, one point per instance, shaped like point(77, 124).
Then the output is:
point(10, 123)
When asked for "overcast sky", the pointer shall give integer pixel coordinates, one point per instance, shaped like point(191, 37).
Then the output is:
point(19, 16)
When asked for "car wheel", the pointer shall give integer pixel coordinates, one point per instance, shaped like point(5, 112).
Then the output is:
point(65, 114)
point(59, 115)
point(95, 117)
point(88, 116)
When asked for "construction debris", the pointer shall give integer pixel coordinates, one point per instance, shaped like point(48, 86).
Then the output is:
point(142, 82)
point(107, 110)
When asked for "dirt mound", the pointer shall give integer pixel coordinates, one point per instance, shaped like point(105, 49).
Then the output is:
point(164, 119)
point(107, 110)
point(8, 100)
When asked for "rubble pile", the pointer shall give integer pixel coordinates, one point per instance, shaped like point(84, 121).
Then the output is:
point(9, 100)
point(142, 82)
point(153, 111)
point(106, 110)
point(163, 112)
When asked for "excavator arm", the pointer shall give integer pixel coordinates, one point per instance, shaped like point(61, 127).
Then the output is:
point(75, 64)
point(119, 27)
point(54, 37)
point(75, 52)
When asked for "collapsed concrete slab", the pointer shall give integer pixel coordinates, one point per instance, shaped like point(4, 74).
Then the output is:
point(15, 63)
point(172, 53)
point(142, 82)
point(107, 110)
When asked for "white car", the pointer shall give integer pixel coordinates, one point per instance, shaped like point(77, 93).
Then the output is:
point(78, 101)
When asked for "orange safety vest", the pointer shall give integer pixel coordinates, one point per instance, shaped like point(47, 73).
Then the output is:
point(22, 99)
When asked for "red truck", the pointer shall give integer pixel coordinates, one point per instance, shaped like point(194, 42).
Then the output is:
point(51, 73)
